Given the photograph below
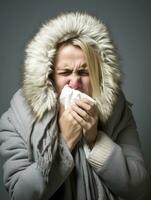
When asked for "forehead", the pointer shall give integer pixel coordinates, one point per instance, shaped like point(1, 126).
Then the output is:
point(70, 53)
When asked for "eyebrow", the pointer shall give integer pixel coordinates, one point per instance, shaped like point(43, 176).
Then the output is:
point(83, 66)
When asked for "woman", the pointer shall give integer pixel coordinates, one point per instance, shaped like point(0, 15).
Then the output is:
point(89, 150)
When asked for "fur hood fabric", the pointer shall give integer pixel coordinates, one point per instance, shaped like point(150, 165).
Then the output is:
point(38, 87)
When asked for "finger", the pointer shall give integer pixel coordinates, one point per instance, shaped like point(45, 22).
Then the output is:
point(88, 107)
point(88, 101)
point(82, 113)
point(68, 117)
point(79, 119)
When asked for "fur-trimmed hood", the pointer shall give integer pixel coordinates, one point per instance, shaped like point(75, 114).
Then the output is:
point(37, 86)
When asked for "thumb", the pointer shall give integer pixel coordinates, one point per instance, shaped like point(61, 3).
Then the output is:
point(61, 109)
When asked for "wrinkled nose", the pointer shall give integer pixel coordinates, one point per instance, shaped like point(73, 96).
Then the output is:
point(75, 82)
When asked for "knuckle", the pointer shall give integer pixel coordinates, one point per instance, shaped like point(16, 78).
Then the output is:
point(89, 108)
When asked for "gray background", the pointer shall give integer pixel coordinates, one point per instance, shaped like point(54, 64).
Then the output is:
point(130, 24)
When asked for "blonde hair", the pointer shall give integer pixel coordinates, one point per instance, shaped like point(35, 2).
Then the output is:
point(93, 62)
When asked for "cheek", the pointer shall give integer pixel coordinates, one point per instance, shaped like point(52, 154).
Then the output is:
point(60, 82)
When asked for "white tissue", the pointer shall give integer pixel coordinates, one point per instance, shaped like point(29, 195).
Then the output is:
point(68, 96)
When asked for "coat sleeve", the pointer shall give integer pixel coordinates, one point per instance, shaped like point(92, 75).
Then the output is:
point(22, 178)
point(117, 158)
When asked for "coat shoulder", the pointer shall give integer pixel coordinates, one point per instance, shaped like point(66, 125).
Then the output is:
point(18, 117)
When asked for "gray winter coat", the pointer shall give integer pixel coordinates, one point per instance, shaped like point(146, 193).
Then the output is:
point(119, 161)
point(35, 169)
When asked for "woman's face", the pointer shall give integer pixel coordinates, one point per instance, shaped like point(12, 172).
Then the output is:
point(71, 68)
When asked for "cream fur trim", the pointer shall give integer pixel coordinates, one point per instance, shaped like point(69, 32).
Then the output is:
point(39, 91)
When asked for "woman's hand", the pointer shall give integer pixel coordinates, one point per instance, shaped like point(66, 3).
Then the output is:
point(86, 115)
point(70, 128)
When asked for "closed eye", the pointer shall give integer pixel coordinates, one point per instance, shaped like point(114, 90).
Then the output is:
point(83, 72)
point(65, 73)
